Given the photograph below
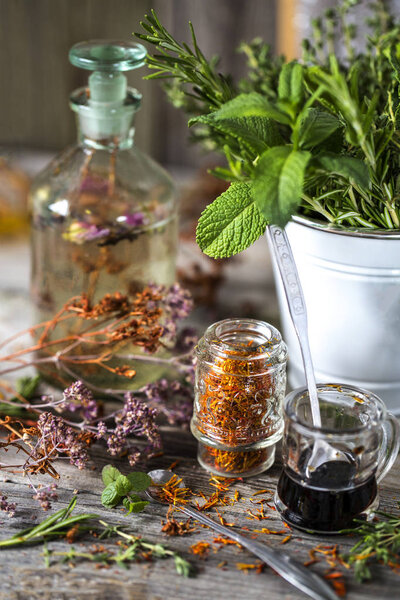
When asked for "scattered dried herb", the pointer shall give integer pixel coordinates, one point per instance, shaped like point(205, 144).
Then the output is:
point(246, 568)
point(201, 549)
point(173, 492)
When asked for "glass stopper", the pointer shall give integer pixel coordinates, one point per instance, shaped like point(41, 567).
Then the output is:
point(107, 55)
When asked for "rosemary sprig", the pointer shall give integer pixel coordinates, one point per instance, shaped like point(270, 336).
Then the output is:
point(63, 523)
point(207, 89)
point(379, 542)
point(56, 525)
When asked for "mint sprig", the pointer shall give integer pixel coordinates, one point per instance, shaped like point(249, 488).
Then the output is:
point(119, 488)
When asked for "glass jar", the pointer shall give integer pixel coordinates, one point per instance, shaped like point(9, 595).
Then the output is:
point(104, 214)
point(330, 473)
point(239, 389)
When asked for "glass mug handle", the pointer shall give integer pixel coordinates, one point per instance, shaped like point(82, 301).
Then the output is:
point(389, 447)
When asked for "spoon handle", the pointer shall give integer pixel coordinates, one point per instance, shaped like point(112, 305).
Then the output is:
point(280, 246)
point(289, 569)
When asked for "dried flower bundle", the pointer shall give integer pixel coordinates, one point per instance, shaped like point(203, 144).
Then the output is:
point(98, 333)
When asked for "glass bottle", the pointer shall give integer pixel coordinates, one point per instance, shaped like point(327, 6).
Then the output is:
point(239, 390)
point(104, 213)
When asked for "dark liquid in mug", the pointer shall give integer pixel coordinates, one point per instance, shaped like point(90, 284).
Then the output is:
point(325, 510)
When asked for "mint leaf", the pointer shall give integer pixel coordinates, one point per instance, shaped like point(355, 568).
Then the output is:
point(139, 481)
point(231, 223)
point(109, 474)
point(134, 504)
point(123, 485)
point(278, 183)
point(316, 127)
point(254, 133)
point(110, 496)
point(290, 86)
point(248, 105)
point(346, 166)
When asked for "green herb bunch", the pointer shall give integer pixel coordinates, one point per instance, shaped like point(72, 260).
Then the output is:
point(318, 136)
point(379, 542)
point(120, 488)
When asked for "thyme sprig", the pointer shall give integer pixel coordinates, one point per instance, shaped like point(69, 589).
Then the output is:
point(379, 542)
point(132, 549)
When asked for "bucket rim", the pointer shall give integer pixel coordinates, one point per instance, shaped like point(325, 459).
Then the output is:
point(348, 231)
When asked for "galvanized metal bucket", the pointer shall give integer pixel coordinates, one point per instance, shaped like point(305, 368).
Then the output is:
point(351, 282)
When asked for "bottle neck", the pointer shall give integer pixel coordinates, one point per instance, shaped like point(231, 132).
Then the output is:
point(119, 141)
point(106, 125)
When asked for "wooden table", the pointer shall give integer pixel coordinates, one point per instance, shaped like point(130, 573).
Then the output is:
point(23, 575)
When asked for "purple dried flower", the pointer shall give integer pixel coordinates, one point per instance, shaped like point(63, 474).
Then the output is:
point(133, 219)
point(178, 302)
point(59, 438)
point(8, 507)
point(172, 399)
point(80, 232)
point(138, 419)
point(101, 430)
point(45, 495)
point(186, 340)
point(77, 397)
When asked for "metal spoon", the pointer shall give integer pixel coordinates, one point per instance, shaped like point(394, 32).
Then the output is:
point(294, 572)
point(278, 241)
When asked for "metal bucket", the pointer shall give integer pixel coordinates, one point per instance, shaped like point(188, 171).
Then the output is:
point(351, 283)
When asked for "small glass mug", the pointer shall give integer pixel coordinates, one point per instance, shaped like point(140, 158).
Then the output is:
point(239, 391)
point(330, 474)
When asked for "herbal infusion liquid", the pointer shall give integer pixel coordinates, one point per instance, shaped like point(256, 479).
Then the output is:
point(239, 389)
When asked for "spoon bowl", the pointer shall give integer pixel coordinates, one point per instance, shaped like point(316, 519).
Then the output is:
point(160, 477)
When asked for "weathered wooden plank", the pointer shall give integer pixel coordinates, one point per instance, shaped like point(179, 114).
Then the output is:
point(23, 575)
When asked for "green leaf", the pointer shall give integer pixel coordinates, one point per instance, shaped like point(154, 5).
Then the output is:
point(393, 55)
point(110, 496)
point(134, 504)
point(290, 85)
point(316, 127)
point(231, 223)
point(345, 166)
point(247, 105)
point(26, 386)
point(123, 485)
point(255, 133)
point(139, 481)
point(278, 183)
point(109, 474)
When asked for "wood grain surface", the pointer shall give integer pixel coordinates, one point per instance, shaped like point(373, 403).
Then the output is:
point(23, 575)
